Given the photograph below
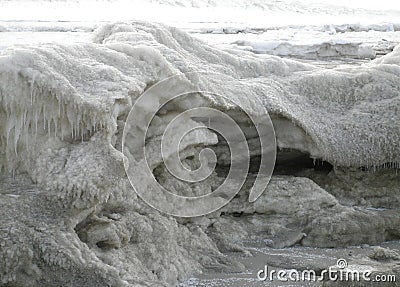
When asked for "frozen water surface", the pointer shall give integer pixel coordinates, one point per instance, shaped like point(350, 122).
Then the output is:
point(284, 28)
point(293, 258)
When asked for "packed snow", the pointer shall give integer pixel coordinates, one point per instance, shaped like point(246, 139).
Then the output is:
point(291, 29)
point(67, 210)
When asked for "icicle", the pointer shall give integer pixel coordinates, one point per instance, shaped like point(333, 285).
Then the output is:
point(24, 122)
point(36, 123)
point(55, 127)
point(62, 129)
point(26, 126)
point(17, 132)
point(48, 127)
point(31, 95)
point(78, 127)
point(9, 128)
point(44, 117)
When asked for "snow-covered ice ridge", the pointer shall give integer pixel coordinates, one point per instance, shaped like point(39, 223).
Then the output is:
point(63, 108)
point(321, 42)
point(326, 42)
point(337, 31)
point(71, 90)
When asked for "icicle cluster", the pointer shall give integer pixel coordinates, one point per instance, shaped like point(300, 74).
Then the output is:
point(30, 111)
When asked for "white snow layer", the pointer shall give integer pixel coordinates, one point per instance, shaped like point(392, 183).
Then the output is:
point(259, 13)
point(71, 91)
point(330, 49)
point(257, 18)
point(62, 109)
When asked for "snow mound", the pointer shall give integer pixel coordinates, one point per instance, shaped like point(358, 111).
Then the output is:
point(69, 93)
point(348, 115)
point(63, 108)
point(328, 105)
point(357, 27)
point(331, 49)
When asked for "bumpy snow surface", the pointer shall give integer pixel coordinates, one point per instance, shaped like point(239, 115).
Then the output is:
point(63, 109)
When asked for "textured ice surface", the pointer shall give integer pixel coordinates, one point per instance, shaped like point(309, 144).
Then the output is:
point(77, 220)
point(301, 258)
point(307, 42)
point(254, 23)
point(327, 104)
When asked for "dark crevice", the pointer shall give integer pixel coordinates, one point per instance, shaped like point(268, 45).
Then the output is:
point(293, 162)
point(105, 245)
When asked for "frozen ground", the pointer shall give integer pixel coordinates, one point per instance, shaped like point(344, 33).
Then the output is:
point(293, 258)
point(73, 216)
point(290, 29)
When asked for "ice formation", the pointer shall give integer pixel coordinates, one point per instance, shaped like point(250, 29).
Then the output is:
point(299, 93)
point(76, 219)
point(330, 49)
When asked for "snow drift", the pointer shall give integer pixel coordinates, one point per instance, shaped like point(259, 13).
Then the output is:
point(73, 91)
point(330, 49)
point(63, 107)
